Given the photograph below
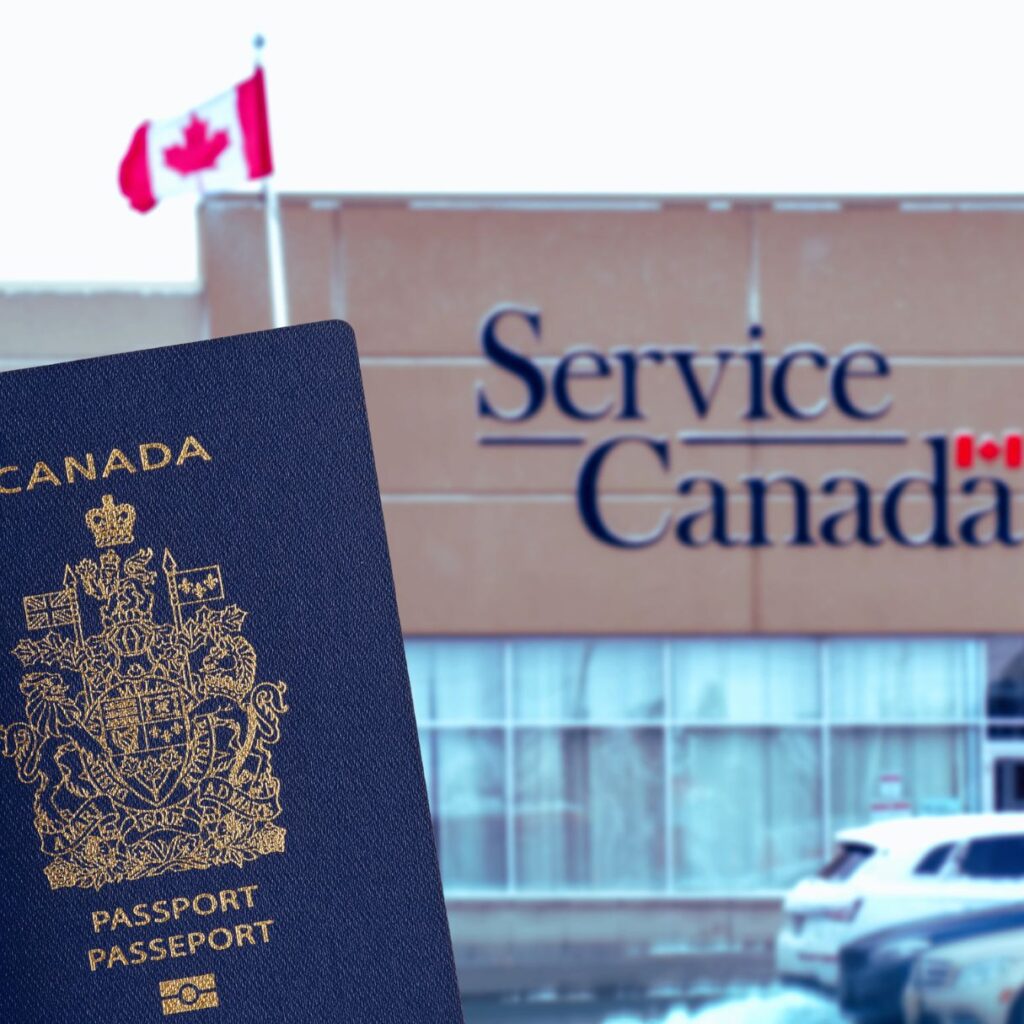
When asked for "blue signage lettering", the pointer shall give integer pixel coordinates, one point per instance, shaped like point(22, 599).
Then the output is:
point(859, 517)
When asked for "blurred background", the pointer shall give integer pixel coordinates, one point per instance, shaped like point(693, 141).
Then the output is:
point(642, 240)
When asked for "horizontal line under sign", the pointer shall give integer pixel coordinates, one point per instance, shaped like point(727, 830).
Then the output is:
point(690, 437)
point(535, 439)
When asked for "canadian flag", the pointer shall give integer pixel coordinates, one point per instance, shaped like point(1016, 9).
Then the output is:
point(218, 145)
point(967, 448)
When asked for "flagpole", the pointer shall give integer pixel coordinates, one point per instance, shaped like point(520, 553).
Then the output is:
point(277, 283)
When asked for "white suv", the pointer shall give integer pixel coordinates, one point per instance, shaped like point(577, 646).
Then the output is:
point(895, 871)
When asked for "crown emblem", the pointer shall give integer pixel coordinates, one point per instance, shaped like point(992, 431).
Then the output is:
point(111, 524)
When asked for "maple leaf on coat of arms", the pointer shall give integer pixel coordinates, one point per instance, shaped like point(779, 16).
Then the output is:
point(201, 149)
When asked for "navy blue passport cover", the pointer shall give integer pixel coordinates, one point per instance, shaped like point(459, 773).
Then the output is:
point(213, 801)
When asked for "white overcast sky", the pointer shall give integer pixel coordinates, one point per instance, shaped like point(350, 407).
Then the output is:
point(570, 97)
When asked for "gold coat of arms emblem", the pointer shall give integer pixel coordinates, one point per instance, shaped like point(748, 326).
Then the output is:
point(148, 742)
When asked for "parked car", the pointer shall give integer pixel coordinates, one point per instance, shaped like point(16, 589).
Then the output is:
point(978, 980)
point(874, 970)
point(892, 872)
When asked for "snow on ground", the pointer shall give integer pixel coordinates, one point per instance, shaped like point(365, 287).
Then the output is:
point(774, 1007)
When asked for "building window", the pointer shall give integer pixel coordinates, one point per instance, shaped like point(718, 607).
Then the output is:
point(740, 680)
point(586, 681)
point(589, 809)
point(900, 680)
point(1005, 699)
point(648, 766)
point(457, 681)
point(932, 768)
point(747, 807)
point(458, 689)
point(465, 770)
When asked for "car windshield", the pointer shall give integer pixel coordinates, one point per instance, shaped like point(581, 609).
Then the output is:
point(847, 859)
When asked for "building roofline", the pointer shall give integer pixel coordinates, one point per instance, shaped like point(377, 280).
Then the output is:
point(781, 202)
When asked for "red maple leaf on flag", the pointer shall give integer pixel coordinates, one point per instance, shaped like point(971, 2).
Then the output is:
point(201, 149)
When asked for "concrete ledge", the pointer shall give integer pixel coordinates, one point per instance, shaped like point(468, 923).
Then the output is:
point(612, 946)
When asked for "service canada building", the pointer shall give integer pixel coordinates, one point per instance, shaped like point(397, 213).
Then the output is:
point(706, 519)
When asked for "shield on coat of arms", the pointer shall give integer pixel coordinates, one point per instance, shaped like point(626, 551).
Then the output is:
point(147, 730)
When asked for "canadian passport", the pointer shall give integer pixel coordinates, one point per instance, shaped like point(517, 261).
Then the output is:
point(213, 802)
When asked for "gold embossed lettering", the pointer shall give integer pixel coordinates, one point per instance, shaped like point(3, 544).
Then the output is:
point(9, 490)
point(148, 462)
point(208, 900)
point(191, 449)
point(42, 474)
point(120, 918)
point(228, 900)
point(117, 460)
point(72, 466)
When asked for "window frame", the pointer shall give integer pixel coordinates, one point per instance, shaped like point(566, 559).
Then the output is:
point(971, 728)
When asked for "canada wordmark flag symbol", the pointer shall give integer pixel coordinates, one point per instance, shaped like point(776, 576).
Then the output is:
point(968, 449)
point(219, 144)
